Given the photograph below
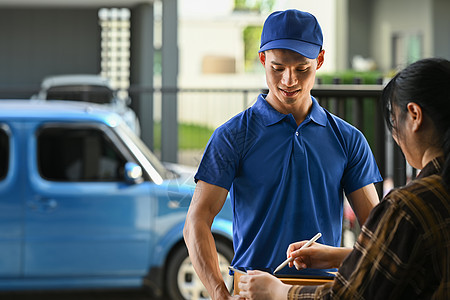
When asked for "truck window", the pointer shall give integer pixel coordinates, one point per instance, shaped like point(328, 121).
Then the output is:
point(86, 93)
point(4, 153)
point(74, 154)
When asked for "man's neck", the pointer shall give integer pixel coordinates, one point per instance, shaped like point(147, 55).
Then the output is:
point(299, 109)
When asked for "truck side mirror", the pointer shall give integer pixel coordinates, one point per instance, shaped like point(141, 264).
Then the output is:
point(133, 173)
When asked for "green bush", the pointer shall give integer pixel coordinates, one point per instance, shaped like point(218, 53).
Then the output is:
point(348, 77)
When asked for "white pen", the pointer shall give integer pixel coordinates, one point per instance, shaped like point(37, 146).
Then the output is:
point(236, 270)
point(288, 260)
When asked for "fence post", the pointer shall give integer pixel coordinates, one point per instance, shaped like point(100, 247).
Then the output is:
point(169, 112)
point(380, 145)
point(245, 94)
point(142, 52)
point(339, 102)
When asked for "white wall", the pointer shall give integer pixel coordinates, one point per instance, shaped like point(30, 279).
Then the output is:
point(201, 38)
point(204, 9)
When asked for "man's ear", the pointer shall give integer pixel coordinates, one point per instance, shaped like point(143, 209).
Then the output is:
point(320, 59)
point(262, 58)
point(415, 114)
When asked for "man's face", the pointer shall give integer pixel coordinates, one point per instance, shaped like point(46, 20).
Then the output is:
point(289, 75)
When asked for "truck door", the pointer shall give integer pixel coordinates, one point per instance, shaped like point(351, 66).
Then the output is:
point(82, 217)
point(11, 202)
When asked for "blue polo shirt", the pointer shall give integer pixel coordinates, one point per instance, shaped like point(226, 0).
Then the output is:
point(286, 182)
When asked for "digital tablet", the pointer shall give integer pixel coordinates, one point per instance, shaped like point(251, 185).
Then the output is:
point(304, 273)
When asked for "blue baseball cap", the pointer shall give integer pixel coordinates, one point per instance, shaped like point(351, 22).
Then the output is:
point(293, 30)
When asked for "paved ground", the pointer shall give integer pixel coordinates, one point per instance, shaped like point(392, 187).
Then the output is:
point(76, 295)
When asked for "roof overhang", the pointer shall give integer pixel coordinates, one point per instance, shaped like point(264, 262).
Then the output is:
point(71, 3)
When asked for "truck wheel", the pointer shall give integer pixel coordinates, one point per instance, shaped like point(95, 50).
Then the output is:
point(183, 283)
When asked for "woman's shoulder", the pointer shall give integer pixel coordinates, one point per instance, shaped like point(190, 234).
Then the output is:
point(431, 186)
point(426, 199)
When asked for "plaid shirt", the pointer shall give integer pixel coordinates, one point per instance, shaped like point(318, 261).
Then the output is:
point(403, 249)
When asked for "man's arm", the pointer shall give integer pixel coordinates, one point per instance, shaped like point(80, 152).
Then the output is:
point(362, 201)
point(206, 203)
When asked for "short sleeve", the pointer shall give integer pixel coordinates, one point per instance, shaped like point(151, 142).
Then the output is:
point(361, 168)
point(220, 159)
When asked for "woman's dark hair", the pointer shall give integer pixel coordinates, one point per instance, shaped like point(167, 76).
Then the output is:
point(426, 83)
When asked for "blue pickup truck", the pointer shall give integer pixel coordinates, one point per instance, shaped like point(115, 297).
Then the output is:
point(85, 204)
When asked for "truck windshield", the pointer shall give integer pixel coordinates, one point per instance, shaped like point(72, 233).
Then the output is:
point(128, 136)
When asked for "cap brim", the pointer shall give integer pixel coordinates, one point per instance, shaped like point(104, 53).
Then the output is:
point(306, 49)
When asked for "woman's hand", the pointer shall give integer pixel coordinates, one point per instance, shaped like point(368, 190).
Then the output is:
point(262, 286)
point(317, 256)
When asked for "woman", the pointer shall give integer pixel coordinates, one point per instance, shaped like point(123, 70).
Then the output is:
point(403, 249)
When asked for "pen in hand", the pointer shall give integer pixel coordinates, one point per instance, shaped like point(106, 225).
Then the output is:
point(236, 270)
point(288, 260)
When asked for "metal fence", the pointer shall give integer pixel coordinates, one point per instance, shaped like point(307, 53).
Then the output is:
point(358, 104)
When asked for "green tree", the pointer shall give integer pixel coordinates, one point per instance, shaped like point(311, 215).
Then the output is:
point(252, 36)
point(260, 6)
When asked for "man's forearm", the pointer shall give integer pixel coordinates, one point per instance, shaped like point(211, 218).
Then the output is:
point(203, 254)
point(206, 203)
point(363, 201)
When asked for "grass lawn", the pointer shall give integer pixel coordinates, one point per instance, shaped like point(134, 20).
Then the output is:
point(190, 136)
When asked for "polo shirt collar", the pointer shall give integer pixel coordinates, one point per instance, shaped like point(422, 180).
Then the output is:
point(317, 113)
point(271, 116)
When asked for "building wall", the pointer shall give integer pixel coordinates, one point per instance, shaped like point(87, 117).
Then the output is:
point(216, 39)
point(40, 42)
point(441, 26)
point(359, 26)
point(203, 40)
point(401, 18)
point(212, 56)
